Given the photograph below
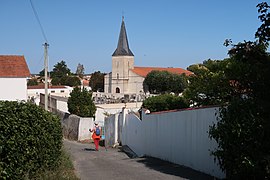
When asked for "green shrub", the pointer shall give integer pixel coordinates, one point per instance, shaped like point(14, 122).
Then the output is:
point(30, 140)
point(80, 103)
point(164, 102)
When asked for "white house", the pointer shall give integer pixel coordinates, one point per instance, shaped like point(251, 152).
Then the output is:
point(126, 78)
point(33, 92)
point(13, 77)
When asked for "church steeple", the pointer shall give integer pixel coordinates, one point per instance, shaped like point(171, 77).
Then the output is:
point(122, 46)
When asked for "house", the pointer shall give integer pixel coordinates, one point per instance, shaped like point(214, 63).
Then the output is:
point(126, 78)
point(13, 77)
point(33, 92)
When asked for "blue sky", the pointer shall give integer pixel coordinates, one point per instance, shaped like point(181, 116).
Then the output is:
point(161, 33)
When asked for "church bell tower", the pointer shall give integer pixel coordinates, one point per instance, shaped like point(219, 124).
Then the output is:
point(122, 62)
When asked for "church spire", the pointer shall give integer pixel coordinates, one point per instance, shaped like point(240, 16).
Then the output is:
point(122, 46)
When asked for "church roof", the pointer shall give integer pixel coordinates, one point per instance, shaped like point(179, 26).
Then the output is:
point(122, 46)
point(13, 66)
point(143, 71)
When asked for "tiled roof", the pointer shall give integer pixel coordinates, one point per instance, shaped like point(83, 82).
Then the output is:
point(13, 66)
point(85, 82)
point(143, 71)
point(42, 86)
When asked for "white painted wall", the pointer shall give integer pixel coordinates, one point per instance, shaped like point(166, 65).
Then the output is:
point(180, 137)
point(62, 92)
point(111, 131)
point(13, 89)
point(84, 125)
point(134, 134)
point(62, 106)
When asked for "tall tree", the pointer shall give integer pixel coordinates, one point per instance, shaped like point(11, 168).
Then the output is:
point(60, 73)
point(60, 70)
point(97, 81)
point(243, 129)
point(80, 70)
point(80, 103)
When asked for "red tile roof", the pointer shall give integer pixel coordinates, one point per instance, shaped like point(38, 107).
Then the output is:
point(42, 86)
point(13, 66)
point(85, 82)
point(143, 71)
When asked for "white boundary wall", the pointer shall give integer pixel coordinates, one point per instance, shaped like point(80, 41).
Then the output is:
point(180, 137)
point(83, 130)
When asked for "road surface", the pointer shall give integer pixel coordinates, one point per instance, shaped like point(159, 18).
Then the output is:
point(114, 164)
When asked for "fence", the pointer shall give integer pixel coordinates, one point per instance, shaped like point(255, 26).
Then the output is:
point(180, 137)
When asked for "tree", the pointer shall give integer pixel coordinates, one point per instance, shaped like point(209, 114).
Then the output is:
point(60, 70)
point(80, 70)
point(243, 128)
point(97, 81)
point(209, 84)
point(59, 73)
point(157, 82)
point(42, 72)
point(32, 82)
point(263, 32)
point(164, 102)
point(71, 81)
point(80, 103)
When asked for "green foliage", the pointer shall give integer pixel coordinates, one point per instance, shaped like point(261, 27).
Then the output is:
point(243, 129)
point(263, 32)
point(71, 81)
point(97, 81)
point(164, 102)
point(60, 70)
point(61, 75)
point(32, 82)
point(30, 140)
point(243, 141)
point(42, 72)
point(65, 170)
point(80, 103)
point(209, 85)
point(157, 82)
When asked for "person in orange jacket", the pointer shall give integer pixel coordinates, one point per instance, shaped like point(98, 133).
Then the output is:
point(96, 134)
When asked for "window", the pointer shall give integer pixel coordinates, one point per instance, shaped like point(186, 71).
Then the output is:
point(117, 76)
point(117, 90)
point(62, 91)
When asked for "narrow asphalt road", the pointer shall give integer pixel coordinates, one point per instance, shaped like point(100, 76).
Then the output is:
point(114, 164)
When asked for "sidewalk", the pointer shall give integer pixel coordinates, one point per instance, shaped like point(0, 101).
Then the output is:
point(114, 164)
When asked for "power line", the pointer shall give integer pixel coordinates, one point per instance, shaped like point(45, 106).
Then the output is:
point(36, 15)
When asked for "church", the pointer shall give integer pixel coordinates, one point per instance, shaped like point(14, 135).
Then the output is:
point(126, 78)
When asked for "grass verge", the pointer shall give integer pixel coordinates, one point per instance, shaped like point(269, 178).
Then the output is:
point(64, 171)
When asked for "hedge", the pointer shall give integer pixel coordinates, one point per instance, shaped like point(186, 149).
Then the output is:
point(30, 140)
point(164, 102)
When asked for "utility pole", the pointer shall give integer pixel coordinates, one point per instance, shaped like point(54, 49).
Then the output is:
point(46, 74)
